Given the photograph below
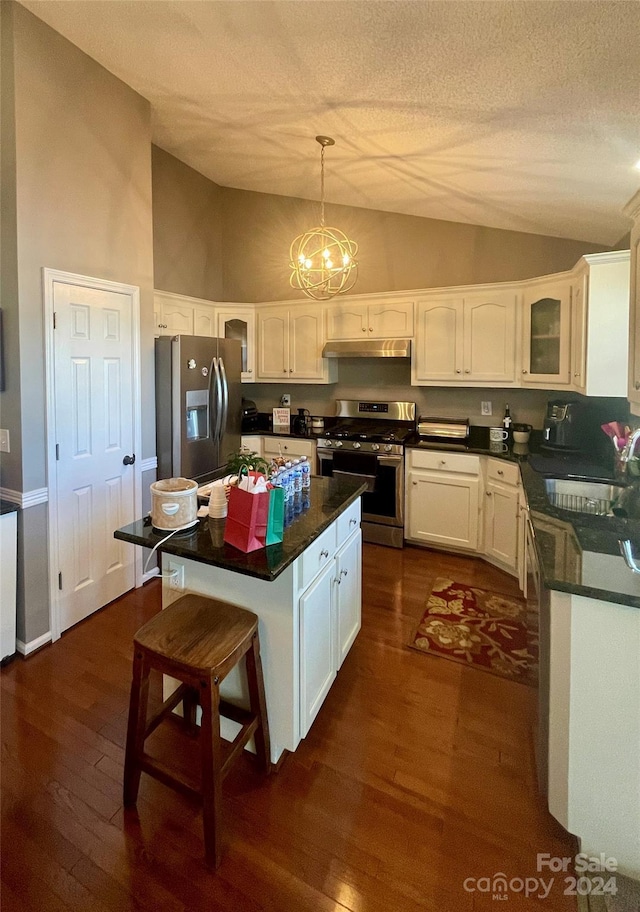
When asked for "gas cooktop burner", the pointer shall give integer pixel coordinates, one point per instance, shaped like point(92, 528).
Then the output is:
point(373, 433)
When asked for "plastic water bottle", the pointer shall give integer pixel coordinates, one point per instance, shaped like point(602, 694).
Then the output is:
point(297, 476)
point(306, 472)
point(287, 482)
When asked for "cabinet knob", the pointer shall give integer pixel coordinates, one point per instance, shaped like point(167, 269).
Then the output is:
point(488, 493)
point(636, 385)
point(443, 462)
point(353, 522)
point(500, 472)
point(371, 329)
point(324, 553)
point(524, 371)
point(467, 370)
point(344, 573)
point(290, 370)
point(414, 482)
point(364, 329)
point(249, 370)
point(458, 371)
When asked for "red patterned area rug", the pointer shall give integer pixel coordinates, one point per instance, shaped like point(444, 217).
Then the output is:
point(492, 632)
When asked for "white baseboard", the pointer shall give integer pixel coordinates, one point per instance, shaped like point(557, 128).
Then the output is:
point(150, 574)
point(26, 649)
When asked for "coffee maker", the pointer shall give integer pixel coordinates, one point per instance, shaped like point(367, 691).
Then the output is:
point(569, 426)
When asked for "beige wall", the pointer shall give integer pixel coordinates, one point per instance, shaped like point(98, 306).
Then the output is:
point(187, 229)
point(396, 252)
point(83, 191)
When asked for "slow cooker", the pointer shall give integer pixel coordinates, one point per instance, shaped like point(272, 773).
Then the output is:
point(174, 504)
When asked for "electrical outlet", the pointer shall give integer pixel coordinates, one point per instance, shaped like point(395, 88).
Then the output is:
point(4, 441)
point(486, 408)
point(176, 579)
point(285, 400)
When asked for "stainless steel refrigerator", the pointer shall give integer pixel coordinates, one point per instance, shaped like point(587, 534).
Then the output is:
point(198, 405)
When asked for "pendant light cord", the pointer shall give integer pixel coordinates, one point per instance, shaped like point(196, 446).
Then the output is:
point(322, 186)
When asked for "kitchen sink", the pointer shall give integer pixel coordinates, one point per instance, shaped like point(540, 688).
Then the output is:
point(597, 498)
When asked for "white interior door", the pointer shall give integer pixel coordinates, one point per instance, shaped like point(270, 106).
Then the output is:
point(94, 432)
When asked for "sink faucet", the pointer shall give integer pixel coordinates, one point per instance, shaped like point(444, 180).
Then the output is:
point(630, 446)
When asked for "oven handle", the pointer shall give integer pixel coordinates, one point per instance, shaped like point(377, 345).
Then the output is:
point(390, 460)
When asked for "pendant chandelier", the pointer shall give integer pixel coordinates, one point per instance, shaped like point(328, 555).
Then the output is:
point(322, 260)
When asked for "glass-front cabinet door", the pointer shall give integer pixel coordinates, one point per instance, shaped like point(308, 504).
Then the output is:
point(547, 334)
point(240, 324)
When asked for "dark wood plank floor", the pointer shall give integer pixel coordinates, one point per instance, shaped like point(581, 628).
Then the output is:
point(417, 774)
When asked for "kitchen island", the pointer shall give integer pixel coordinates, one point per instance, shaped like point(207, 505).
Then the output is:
point(305, 590)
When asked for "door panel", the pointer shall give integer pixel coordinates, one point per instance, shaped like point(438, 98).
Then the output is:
point(490, 338)
point(439, 340)
point(93, 369)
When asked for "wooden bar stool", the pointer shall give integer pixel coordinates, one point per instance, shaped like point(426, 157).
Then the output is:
point(197, 640)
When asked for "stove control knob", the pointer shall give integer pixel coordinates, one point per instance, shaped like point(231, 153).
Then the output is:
point(338, 443)
point(328, 443)
point(387, 448)
point(375, 446)
point(357, 445)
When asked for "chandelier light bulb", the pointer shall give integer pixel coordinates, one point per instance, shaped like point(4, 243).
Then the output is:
point(313, 254)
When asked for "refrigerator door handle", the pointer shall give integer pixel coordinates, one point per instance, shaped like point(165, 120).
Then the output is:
point(218, 388)
point(224, 389)
point(210, 398)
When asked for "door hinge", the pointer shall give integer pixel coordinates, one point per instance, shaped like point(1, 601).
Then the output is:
point(54, 319)
point(57, 452)
point(60, 580)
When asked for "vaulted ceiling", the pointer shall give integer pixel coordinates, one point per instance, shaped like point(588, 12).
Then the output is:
point(515, 114)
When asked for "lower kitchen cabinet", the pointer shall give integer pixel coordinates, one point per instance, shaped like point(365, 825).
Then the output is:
point(317, 653)
point(290, 448)
point(442, 499)
point(348, 581)
point(502, 514)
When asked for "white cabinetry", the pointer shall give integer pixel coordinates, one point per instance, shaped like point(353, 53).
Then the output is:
point(442, 498)
point(599, 308)
point(632, 209)
point(387, 319)
point(290, 341)
point(502, 513)
point(330, 609)
point(546, 332)
point(466, 339)
point(290, 447)
point(252, 442)
point(173, 314)
point(239, 323)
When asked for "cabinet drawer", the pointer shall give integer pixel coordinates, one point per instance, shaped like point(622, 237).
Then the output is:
point(506, 472)
point(348, 521)
point(318, 555)
point(291, 447)
point(444, 461)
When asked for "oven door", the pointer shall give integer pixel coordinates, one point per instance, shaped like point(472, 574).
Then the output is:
point(383, 501)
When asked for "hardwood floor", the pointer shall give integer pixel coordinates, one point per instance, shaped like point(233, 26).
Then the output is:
point(417, 774)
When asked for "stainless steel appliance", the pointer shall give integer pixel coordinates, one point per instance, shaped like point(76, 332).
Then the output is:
point(367, 442)
point(198, 405)
point(449, 431)
point(569, 426)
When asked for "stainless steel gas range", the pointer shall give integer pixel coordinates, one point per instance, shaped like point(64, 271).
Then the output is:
point(367, 441)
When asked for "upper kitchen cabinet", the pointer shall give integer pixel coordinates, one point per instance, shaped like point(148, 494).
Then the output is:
point(290, 341)
point(239, 323)
point(182, 315)
point(632, 209)
point(466, 339)
point(546, 332)
point(383, 319)
point(599, 310)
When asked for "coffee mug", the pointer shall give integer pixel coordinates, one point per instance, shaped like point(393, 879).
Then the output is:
point(498, 435)
point(497, 446)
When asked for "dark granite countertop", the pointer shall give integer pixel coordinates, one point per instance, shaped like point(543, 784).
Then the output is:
point(6, 506)
point(328, 498)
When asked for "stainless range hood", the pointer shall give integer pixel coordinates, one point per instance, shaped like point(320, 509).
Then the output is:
point(368, 348)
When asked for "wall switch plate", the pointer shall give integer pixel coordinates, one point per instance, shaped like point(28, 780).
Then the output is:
point(486, 408)
point(176, 579)
point(4, 441)
point(285, 400)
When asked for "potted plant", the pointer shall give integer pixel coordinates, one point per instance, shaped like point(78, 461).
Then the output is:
point(244, 458)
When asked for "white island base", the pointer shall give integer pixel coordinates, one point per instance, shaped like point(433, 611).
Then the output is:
point(309, 617)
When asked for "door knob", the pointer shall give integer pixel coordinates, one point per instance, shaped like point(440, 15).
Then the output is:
point(129, 460)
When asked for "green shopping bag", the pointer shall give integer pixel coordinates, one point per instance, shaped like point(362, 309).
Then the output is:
point(275, 518)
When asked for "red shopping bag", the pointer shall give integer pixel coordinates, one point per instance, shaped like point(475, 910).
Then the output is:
point(247, 514)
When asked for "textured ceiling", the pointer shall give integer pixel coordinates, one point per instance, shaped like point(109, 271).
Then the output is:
point(522, 115)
